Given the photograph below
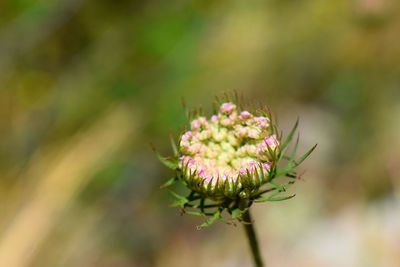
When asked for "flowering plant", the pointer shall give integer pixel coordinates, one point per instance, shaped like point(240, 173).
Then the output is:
point(230, 161)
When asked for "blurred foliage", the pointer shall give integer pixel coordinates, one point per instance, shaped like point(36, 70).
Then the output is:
point(87, 85)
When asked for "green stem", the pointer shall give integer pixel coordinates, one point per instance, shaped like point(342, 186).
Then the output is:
point(251, 236)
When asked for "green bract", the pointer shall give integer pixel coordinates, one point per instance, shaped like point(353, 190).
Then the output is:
point(231, 160)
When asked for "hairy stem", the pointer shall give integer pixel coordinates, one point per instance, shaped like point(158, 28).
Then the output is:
point(251, 236)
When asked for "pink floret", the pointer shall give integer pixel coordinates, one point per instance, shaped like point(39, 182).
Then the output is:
point(262, 121)
point(271, 141)
point(227, 108)
point(186, 136)
point(242, 171)
point(202, 173)
point(244, 115)
point(196, 124)
point(187, 160)
point(267, 165)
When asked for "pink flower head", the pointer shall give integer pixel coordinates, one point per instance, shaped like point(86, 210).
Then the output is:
point(226, 148)
point(227, 108)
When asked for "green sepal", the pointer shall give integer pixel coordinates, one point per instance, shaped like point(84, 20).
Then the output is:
point(227, 187)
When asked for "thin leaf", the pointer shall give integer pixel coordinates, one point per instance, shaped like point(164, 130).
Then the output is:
point(306, 155)
point(266, 198)
point(282, 198)
point(180, 200)
point(169, 182)
point(195, 213)
point(288, 170)
point(294, 151)
point(168, 162)
point(274, 197)
point(237, 213)
point(211, 220)
point(283, 172)
point(174, 147)
point(265, 191)
point(290, 135)
point(279, 187)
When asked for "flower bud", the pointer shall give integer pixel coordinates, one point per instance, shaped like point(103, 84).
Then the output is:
point(225, 153)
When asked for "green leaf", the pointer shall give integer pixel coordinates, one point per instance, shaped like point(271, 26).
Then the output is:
point(195, 213)
point(180, 200)
point(266, 198)
point(306, 155)
point(281, 198)
point(211, 220)
point(168, 162)
point(288, 169)
point(279, 187)
point(265, 191)
point(294, 151)
point(275, 187)
point(171, 163)
point(290, 135)
point(237, 213)
point(174, 147)
point(274, 197)
point(169, 182)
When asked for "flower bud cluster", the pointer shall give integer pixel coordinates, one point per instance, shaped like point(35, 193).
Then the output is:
point(233, 148)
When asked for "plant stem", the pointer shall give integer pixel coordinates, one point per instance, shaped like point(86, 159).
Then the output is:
point(251, 236)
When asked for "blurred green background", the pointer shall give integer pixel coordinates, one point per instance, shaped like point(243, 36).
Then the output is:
point(85, 86)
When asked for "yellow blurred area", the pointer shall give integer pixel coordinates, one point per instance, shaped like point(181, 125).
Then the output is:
point(61, 173)
point(86, 86)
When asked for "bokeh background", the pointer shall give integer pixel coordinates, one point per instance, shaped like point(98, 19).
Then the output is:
point(85, 86)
